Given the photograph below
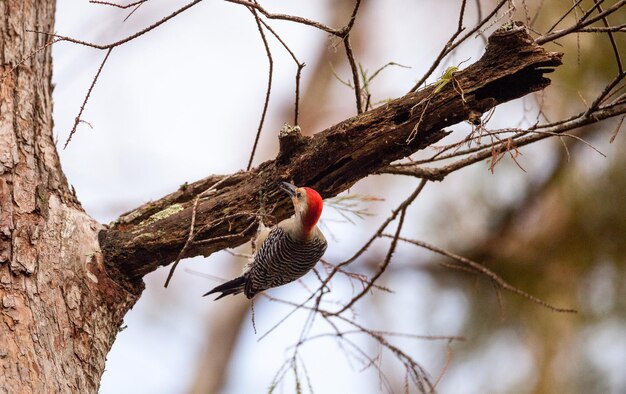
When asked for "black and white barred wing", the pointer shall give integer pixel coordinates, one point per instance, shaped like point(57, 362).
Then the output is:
point(281, 260)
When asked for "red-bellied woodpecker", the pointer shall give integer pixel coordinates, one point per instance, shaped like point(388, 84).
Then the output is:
point(286, 252)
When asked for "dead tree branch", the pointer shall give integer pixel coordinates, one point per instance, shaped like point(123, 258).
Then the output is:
point(331, 161)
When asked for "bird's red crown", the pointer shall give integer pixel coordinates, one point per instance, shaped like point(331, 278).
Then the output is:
point(314, 208)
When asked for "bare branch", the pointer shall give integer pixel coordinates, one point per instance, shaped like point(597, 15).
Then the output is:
point(524, 138)
point(582, 22)
point(619, 126)
point(355, 74)
point(618, 28)
point(292, 18)
point(451, 44)
point(299, 65)
point(565, 14)
point(485, 271)
point(77, 120)
point(118, 5)
point(126, 39)
point(383, 266)
point(268, 52)
point(609, 33)
point(30, 56)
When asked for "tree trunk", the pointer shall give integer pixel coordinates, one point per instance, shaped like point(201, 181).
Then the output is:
point(60, 311)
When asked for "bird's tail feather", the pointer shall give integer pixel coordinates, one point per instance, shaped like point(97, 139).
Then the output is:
point(233, 287)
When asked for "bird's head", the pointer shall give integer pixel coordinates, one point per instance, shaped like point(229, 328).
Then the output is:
point(307, 204)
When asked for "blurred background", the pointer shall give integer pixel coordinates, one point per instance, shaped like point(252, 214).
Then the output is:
point(184, 101)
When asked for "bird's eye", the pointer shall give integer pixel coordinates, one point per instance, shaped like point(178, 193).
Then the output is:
point(298, 195)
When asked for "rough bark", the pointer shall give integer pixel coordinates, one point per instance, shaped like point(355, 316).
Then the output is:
point(331, 161)
point(59, 310)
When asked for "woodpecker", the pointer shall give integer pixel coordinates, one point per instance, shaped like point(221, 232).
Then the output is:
point(285, 252)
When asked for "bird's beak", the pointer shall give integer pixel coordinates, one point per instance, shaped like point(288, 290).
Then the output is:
point(288, 188)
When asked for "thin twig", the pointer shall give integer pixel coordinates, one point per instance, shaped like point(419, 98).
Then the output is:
point(270, 76)
point(127, 38)
point(451, 44)
point(619, 126)
point(296, 19)
point(383, 266)
point(484, 270)
point(619, 28)
point(606, 92)
point(192, 226)
point(355, 74)
point(565, 14)
point(133, 11)
point(30, 56)
point(446, 366)
point(297, 99)
point(583, 22)
point(382, 227)
point(77, 120)
point(189, 238)
point(616, 51)
point(118, 5)
point(524, 137)
point(299, 66)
